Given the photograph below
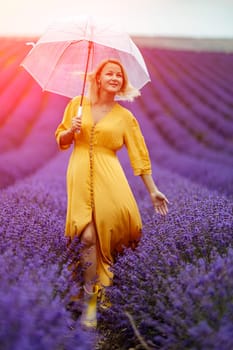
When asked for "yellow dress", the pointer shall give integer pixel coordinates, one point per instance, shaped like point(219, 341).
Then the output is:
point(97, 188)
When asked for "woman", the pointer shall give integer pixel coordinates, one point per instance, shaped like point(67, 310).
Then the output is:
point(101, 208)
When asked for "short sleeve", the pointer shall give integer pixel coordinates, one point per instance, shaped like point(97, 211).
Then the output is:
point(70, 111)
point(136, 147)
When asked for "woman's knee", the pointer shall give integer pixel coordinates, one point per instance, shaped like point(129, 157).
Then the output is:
point(88, 237)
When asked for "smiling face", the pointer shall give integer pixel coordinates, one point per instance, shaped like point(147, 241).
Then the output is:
point(111, 78)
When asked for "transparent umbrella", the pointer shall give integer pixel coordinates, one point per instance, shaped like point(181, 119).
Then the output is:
point(71, 48)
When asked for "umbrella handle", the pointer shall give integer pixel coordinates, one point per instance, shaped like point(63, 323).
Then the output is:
point(79, 115)
point(80, 110)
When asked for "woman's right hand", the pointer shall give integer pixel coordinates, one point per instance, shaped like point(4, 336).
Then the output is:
point(76, 124)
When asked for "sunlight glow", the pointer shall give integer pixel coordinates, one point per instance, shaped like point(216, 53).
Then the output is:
point(209, 18)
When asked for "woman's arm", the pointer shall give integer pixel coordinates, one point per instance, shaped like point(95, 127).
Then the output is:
point(66, 137)
point(159, 200)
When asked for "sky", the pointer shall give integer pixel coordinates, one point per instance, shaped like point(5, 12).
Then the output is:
point(182, 18)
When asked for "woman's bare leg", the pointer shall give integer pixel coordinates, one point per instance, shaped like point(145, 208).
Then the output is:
point(89, 258)
point(89, 263)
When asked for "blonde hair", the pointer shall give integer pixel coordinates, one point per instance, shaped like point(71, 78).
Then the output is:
point(127, 91)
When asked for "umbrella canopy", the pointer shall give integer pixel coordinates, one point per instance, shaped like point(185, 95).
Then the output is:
point(71, 48)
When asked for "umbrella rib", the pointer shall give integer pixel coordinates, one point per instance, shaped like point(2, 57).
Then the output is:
point(58, 59)
point(90, 46)
point(54, 66)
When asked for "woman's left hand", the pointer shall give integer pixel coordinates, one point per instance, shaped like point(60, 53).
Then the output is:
point(160, 202)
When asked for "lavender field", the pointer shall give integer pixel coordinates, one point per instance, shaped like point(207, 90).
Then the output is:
point(174, 291)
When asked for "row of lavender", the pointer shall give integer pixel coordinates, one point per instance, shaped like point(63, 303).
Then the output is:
point(190, 104)
point(178, 292)
point(28, 116)
point(34, 275)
